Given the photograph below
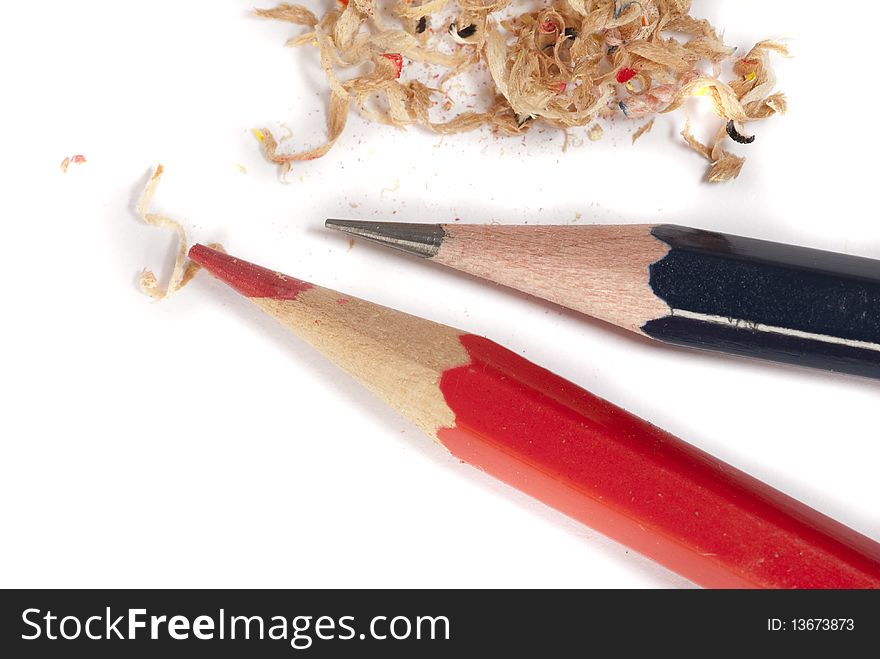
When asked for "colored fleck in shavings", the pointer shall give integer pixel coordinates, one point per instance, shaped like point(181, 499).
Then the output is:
point(397, 60)
point(72, 160)
point(626, 74)
point(565, 65)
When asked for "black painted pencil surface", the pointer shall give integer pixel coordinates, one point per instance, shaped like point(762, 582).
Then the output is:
point(684, 286)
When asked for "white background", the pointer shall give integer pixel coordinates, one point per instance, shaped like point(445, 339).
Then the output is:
point(193, 443)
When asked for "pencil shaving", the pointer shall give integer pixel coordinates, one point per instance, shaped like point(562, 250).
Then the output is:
point(72, 160)
point(183, 270)
point(725, 165)
point(565, 65)
point(646, 128)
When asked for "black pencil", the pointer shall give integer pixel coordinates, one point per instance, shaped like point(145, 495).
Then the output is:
point(683, 286)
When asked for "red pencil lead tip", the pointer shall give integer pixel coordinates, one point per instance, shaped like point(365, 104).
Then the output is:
point(248, 279)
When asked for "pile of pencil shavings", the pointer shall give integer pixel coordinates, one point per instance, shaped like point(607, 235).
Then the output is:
point(566, 65)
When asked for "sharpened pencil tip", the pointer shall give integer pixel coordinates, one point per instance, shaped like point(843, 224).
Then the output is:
point(421, 239)
point(247, 278)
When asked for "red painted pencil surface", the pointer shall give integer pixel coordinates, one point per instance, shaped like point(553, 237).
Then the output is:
point(578, 453)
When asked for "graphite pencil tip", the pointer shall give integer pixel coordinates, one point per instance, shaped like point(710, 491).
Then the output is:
point(421, 239)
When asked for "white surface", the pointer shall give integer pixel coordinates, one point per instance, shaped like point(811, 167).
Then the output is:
point(193, 443)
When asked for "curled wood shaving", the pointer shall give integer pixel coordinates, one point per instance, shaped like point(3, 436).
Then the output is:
point(336, 119)
point(296, 14)
point(148, 281)
point(646, 128)
point(184, 270)
point(566, 65)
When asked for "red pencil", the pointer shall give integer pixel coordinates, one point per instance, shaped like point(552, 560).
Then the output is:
point(597, 463)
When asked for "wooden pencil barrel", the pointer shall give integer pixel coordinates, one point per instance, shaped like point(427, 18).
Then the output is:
point(639, 485)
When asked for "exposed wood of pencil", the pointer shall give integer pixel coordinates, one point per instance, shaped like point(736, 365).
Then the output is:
point(560, 264)
point(582, 455)
point(563, 265)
